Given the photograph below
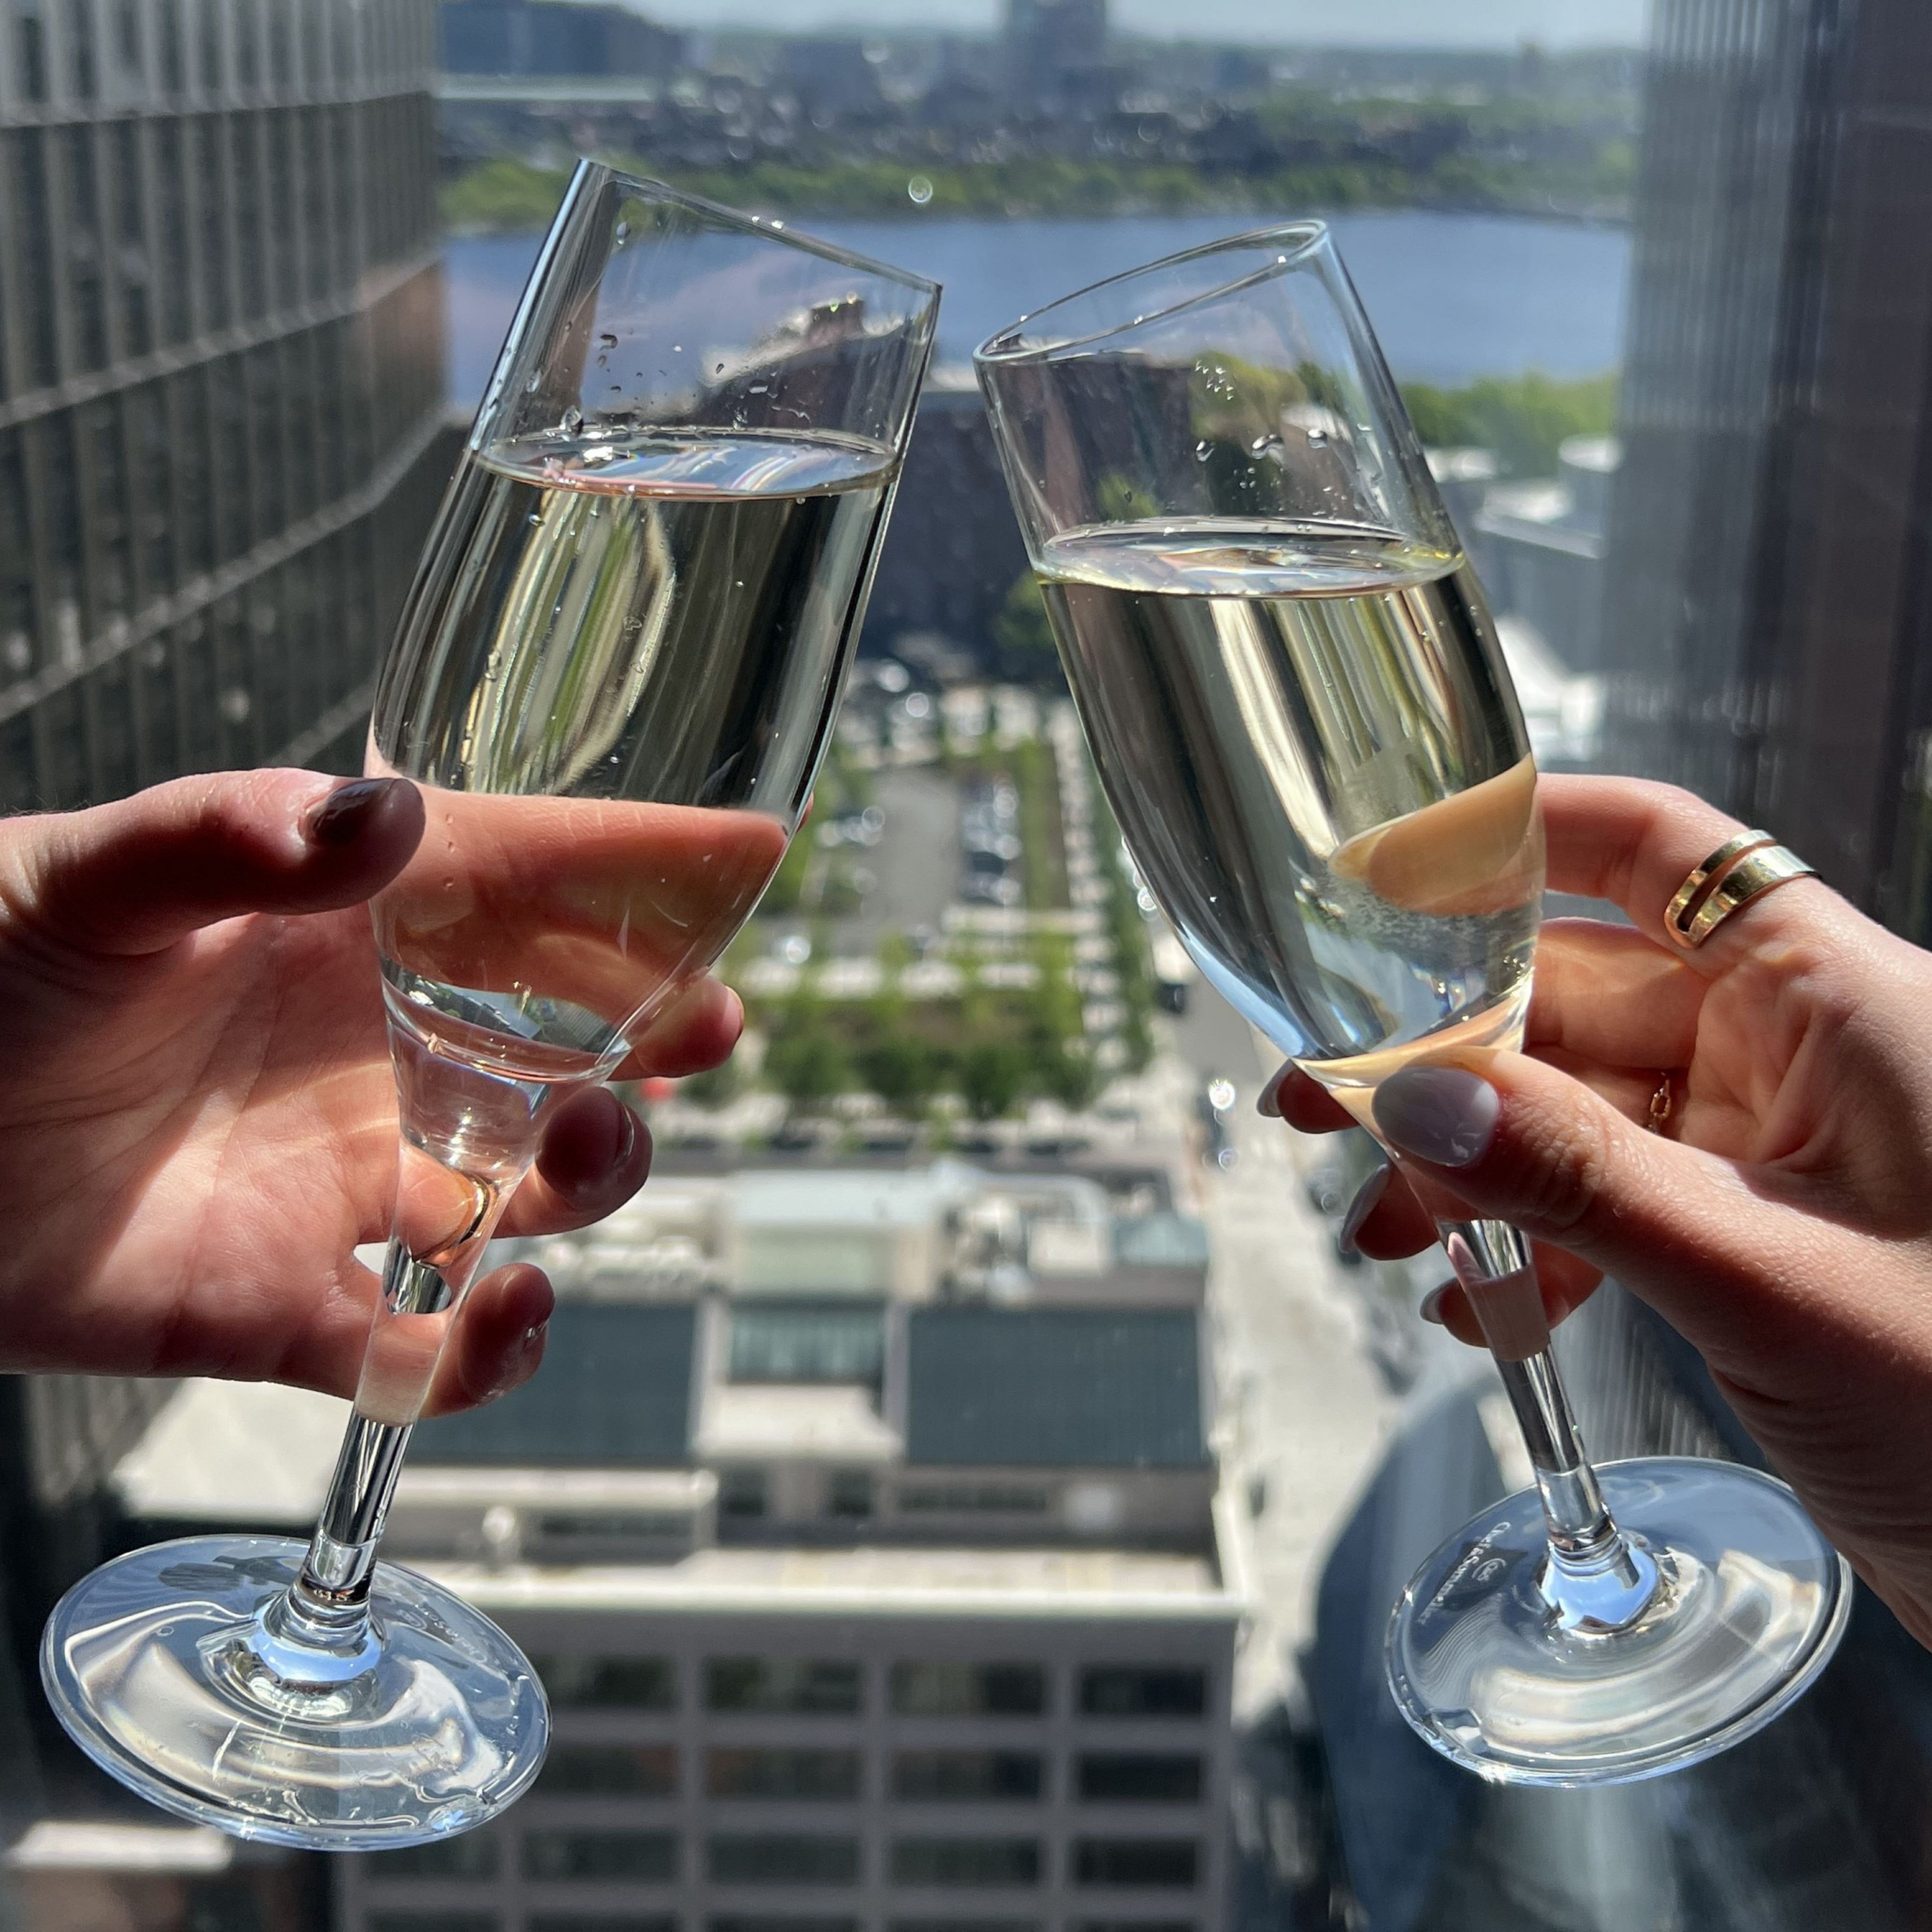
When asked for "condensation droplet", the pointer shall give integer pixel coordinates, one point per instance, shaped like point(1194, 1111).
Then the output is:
point(573, 420)
point(919, 190)
point(623, 233)
point(609, 341)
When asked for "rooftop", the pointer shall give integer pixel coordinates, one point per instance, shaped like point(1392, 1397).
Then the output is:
point(1055, 1388)
point(880, 1579)
point(615, 1390)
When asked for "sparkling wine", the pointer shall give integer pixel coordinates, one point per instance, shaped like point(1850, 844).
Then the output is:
point(1310, 741)
point(613, 694)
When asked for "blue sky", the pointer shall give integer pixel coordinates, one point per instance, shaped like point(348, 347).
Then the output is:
point(1463, 23)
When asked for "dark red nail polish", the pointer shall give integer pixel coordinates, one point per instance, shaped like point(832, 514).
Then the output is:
point(346, 814)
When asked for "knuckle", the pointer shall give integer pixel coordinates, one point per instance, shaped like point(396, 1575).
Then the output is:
point(1562, 1181)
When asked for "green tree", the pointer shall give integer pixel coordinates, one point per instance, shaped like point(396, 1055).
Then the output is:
point(994, 1075)
point(808, 1064)
point(1524, 419)
point(903, 1070)
point(1024, 635)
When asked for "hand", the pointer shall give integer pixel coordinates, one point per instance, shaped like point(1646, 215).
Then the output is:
point(198, 1120)
point(1782, 1223)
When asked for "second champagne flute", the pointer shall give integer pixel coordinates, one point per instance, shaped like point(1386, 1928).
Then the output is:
point(613, 683)
point(1299, 708)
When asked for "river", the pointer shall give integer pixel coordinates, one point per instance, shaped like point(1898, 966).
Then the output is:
point(1453, 297)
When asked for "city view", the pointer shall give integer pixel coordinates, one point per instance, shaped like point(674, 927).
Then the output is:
point(966, 1486)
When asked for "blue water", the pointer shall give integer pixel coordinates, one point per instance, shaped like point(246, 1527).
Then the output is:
point(1453, 296)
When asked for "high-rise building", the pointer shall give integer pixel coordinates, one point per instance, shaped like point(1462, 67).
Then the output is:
point(1766, 628)
point(221, 379)
point(1056, 50)
point(865, 1526)
point(553, 36)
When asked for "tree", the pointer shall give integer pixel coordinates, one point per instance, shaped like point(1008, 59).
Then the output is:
point(993, 1076)
point(808, 1064)
point(903, 1070)
point(1024, 635)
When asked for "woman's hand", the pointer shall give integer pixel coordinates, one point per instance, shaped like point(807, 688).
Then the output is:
point(198, 1120)
point(1782, 1220)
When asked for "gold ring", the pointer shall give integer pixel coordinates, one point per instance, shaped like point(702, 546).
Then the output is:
point(1662, 1105)
point(1738, 872)
point(1698, 887)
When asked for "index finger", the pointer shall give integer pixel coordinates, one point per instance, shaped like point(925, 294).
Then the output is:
point(1634, 843)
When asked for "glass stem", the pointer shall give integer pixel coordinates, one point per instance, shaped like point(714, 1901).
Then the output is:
point(326, 1610)
point(1596, 1579)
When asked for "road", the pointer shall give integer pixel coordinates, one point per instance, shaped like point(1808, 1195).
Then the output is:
point(1305, 1410)
point(917, 861)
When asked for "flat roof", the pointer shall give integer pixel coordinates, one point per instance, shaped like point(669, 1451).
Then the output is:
point(890, 1581)
point(757, 1421)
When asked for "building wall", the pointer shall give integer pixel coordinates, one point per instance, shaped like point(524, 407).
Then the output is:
point(678, 1831)
point(1767, 608)
point(221, 379)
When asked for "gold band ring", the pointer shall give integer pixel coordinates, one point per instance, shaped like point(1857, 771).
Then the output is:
point(1740, 870)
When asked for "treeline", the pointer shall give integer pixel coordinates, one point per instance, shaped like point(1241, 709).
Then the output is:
point(506, 195)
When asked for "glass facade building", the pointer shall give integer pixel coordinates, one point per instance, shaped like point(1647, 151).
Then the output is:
point(1766, 631)
point(221, 379)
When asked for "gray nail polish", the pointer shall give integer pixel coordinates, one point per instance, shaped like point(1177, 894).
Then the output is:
point(1367, 1196)
point(1431, 1309)
point(1441, 1115)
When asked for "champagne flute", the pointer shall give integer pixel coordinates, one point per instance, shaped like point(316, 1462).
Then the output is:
point(1300, 711)
point(612, 682)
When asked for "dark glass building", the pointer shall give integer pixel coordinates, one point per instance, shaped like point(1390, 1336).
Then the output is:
point(1767, 628)
point(221, 379)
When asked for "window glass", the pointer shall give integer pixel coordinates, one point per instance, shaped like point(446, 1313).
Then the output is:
point(772, 1772)
point(638, 1770)
point(781, 1857)
point(1142, 1691)
point(788, 1343)
point(968, 1690)
point(474, 1856)
point(939, 1776)
point(644, 1857)
point(633, 1683)
point(600, 1921)
point(776, 1684)
point(778, 1921)
point(1170, 1863)
point(966, 1862)
point(1137, 1776)
point(432, 1921)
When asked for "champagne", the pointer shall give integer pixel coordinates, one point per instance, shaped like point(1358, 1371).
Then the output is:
point(1311, 743)
point(613, 693)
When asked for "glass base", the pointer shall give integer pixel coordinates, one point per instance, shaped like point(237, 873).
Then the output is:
point(1751, 1603)
point(173, 1669)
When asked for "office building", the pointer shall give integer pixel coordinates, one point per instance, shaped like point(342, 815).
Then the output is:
point(860, 1593)
point(554, 37)
point(1056, 52)
point(1765, 629)
point(221, 379)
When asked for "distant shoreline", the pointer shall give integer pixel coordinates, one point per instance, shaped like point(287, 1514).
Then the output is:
point(508, 197)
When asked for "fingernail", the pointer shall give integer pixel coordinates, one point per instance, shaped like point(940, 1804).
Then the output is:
point(1362, 1206)
point(345, 814)
point(1268, 1105)
point(525, 1354)
point(1444, 1115)
point(1431, 1309)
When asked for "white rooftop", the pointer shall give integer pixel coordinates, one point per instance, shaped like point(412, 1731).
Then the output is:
point(878, 1581)
point(235, 1452)
point(745, 1421)
point(840, 1197)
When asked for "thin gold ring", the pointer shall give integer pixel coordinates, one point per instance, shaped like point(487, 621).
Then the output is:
point(1662, 1105)
point(1745, 868)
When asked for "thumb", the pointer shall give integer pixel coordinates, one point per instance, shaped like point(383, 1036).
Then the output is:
point(1514, 1140)
point(137, 875)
